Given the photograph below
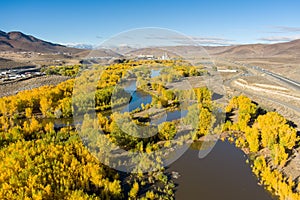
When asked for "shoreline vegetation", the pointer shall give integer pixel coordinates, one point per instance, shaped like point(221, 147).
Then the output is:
point(40, 162)
point(269, 140)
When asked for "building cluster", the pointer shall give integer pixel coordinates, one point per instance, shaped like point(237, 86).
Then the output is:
point(29, 54)
point(152, 57)
point(228, 70)
point(18, 74)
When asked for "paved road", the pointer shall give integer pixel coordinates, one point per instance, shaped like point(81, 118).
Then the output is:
point(290, 82)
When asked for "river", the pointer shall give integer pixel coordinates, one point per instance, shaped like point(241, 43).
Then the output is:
point(221, 175)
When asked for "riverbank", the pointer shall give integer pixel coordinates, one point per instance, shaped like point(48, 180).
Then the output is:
point(281, 180)
point(288, 175)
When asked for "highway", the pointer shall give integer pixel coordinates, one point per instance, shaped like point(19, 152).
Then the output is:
point(289, 82)
point(292, 83)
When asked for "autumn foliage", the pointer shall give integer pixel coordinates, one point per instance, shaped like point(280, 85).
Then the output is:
point(259, 132)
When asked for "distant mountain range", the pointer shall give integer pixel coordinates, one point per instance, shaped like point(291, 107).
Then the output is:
point(18, 41)
point(286, 49)
point(81, 46)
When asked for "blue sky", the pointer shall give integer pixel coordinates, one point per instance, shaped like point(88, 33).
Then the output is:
point(211, 22)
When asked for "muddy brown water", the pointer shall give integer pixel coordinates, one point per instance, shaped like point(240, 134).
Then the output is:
point(222, 175)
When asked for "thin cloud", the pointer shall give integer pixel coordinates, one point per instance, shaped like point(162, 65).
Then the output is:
point(280, 38)
point(192, 40)
point(213, 41)
point(283, 29)
point(288, 29)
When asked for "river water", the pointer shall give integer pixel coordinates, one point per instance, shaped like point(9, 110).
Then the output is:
point(221, 175)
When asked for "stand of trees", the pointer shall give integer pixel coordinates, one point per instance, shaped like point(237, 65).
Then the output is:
point(40, 162)
point(274, 180)
point(64, 70)
point(50, 101)
point(257, 131)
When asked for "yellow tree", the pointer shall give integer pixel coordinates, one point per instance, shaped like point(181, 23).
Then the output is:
point(287, 136)
point(269, 125)
point(134, 191)
point(252, 137)
point(206, 121)
point(28, 112)
point(279, 155)
point(167, 130)
point(45, 106)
